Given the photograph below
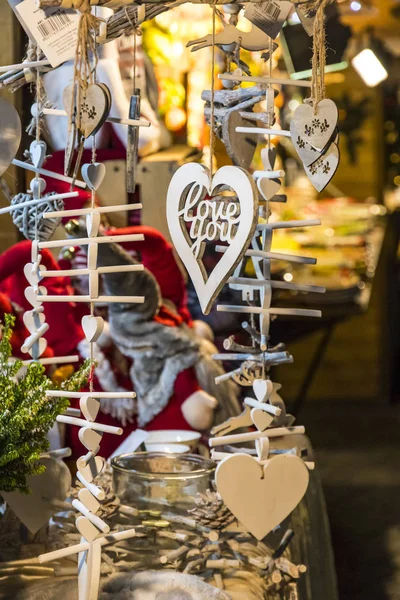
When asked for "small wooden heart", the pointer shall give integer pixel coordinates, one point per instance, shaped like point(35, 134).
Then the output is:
point(37, 152)
point(92, 327)
point(88, 500)
point(31, 272)
point(89, 438)
point(86, 529)
point(262, 388)
point(268, 187)
point(261, 419)
point(93, 223)
point(317, 127)
point(90, 407)
point(37, 187)
point(94, 109)
point(92, 469)
point(32, 294)
point(93, 174)
point(38, 348)
point(268, 158)
point(33, 320)
point(323, 170)
point(261, 497)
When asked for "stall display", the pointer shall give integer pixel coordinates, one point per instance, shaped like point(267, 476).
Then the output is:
point(257, 486)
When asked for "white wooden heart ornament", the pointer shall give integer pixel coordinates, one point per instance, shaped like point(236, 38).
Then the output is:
point(261, 419)
point(37, 187)
point(93, 223)
point(33, 320)
point(89, 438)
point(261, 497)
point(94, 107)
point(31, 272)
point(263, 388)
point(37, 152)
point(39, 347)
point(93, 174)
point(268, 158)
point(318, 127)
point(323, 170)
point(92, 327)
point(307, 153)
point(268, 187)
point(210, 220)
point(90, 407)
point(88, 500)
point(86, 529)
point(92, 469)
point(32, 294)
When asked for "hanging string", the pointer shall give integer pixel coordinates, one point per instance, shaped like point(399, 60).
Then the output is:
point(319, 54)
point(270, 75)
point(212, 138)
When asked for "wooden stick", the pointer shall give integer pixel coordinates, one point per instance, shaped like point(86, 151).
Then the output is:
point(265, 131)
point(97, 522)
point(101, 270)
point(255, 435)
point(269, 174)
point(62, 394)
point(275, 358)
point(280, 285)
point(297, 312)
point(79, 212)
point(97, 492)
point(46, 173)
point(269, 408)
point(226, 376)
point(99, 300)
point(105, 239)
point(96, 426)
point(306, 260)
point(54, 360)
point(34, 337)
point(72, 412)
point(289, 224)
point(54, 112)
point(266, 80)
point(8, 209)
point(25, 65)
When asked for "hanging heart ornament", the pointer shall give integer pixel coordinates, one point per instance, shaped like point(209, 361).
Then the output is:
point(195, 218)
point(322, 171)
point(261, 497)
point(316, 127)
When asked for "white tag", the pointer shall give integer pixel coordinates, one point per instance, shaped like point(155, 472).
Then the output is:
point(131, 443)
point(268, 16)
point(54, 30)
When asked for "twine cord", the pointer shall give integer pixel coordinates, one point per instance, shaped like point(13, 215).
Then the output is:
point(319, 54)
point(212, 138)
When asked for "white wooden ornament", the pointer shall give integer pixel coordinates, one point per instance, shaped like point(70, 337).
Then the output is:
point(318, 127)
point(92, 327)
point(37, 187)
point(89, 565)
point(323, 170)
point(31, 272)
point(90, 407)
point(86, 529)
point(307, 153)
point(261, 497)
point(268, 158)
point(32, 319)
point(261, 419)
point(214, 220)
point(262, 388)
point(93, 174)
point(91, 469)
point(268, 187)
point(37, 152)
point(92, 256)
point(93, 224)
point(90, 438)
point(33, 295)
point(94, 108)
point(253, 40)
point(89, 500)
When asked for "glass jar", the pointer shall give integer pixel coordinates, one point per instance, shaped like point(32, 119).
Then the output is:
point(158, 481)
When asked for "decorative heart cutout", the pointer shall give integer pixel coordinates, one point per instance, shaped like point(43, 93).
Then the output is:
point(261, 419)
point(92, 469)
point(37, 152)
point(90, 438)
point(232, 222)
point(317, 128)
point(268, 187)
point(307, 153)
point(88, 500)
point(33, 320)
point(10, 136)
point(92, 327)
point(93, 223)
point(86, 529)
point(38, 348)
point(268, 158)
point(90, 407)
point(93, 174)
point(240, 147)
point(322, 171)
point(31, 272)
point(263, 388)
point(94, 108)
point(261, 497)
point(32, 294)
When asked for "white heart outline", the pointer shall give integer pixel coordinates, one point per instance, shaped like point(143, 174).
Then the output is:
point(207, 288)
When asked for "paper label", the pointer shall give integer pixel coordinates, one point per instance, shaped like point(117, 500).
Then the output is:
point(268, 16)
point(55, 30)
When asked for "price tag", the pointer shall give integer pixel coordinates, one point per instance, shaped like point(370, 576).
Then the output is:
point(55, 30)
point(268, 16)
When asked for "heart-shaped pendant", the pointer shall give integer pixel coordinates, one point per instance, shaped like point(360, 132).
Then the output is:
point(30, 222)
point(92, 327)
point(31, 272)
point(37, 186)
point(268, 187)
point(90, 438)
point(193, 219)
point(33, 320)
point(86, 529)
point(318, 127)
point(322, 171)
point(261, 497)
point(240, 147)
point(37, 152)
point(88, 500)
point(32, 294)
point(261, 419)
point(263, 388)
point(268, 158)
point(93, 174)
point(91, 469)
point(307, 153)
point(90, 407)
point(38, 348)
point(93, 223)
point(11, 131)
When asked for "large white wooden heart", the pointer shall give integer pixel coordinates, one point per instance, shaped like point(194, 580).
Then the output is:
point(261, 497)
point(318, 127)
point(210, 220)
